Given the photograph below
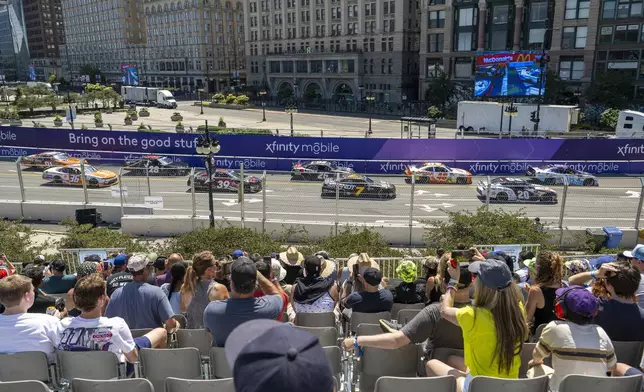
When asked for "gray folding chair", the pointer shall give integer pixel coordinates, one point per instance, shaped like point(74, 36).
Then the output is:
point(23, 386)
point(398, 307)
point(326, 319)
point(579, 383)
point(406, 315)
point(159, 364)
point(92, 365)
point(369, 329)
point(538, 332)
point(416, 384)
point(180, 385)
point(629, 353)
point(328, 336)
point(358, 318)
point(334, 355)
point(199, 339)
point(443, 353)
point(137, 333)
point(448, 335)
point(488, 384)
point(219, 367)
point(126, 385)
point(29, 365)
point(526, 356)
point(376, 363)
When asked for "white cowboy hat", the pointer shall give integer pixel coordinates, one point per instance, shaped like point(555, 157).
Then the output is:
point(278, 271)
point(292, 256)
point(328, 267)
point(363, 260)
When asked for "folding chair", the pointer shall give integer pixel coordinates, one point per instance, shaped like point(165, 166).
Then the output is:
point(398, 307)
point(579, 383)
point(334, 355)
point(490, 384)
point(358, 318)
point(129, 385)
point(199, 339)
point(159, 364)
point(28, 365)
point(328, 336)
point(92, 365)
point(23, 386)
point(629, 353)
point(416, 384)
point(448, 335)
point(180, 385)
point(538, 332)
point(406, 315)
point(326, 319)
point(219, 367)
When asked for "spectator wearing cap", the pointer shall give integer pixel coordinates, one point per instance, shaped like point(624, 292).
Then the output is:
point(43, 303)
point(237, 254)
point(120, 275)
point(166, 276)
point(411, 290)
point(139, 303)
point(22, 331)
point(267, 356)
point(540, 305)
point(433, 286)
point(197, 286)
point(316, 292)
point(84, 270)
point(372, 299)
point(619, 314)
point(91, 332)
point(264, 267)
point(222, 317)
point(636, 258)
point(59, 282)
point(39, 260)
point(356, 265)
point(173, 289)
point(292, 261)
point(577, 346)
point(494, 328)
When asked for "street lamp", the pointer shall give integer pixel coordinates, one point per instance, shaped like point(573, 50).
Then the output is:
point(200, 101)
point(370, 99)
point(208, 146)
point(263, 95)
point(291, 109)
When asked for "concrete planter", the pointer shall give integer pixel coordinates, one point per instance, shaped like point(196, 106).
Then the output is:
point(229, 106)
point(180, 129)
point(127, 122)
point(15, 122)
point(58, 123)
point(134, 117)
point(144, 114)
point(176, 118)
point(98, 124)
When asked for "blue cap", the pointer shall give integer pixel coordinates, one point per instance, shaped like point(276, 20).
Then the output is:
point(637, 253)
point(119, 260)
point(596, 263)
point(268, 356)
point(238, 253)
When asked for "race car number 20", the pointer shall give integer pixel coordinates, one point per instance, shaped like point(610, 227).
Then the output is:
point(523, 195)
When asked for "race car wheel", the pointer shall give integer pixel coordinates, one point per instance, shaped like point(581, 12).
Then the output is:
point(502, 196)
point(93, 183)
point(589, 182)
point(549, 181)
point(384, 194)
point(461, 180)
point(408, 180)
point(58, 180)
point(548, 199)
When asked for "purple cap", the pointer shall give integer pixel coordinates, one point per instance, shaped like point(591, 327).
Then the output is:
point(579, 300)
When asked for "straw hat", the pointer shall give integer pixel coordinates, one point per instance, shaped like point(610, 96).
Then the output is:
point(363, 260)
point(292, 256)
point(328, 267)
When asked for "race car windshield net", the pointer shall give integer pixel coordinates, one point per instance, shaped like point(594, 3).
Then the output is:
point(165, 161)
point(90, 169)
point(61, 156)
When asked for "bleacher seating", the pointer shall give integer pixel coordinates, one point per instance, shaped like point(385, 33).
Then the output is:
point(406, 315)
point(629, 353)
point(181, 385)
point(315, 319)
point(159, 364)
point(26, 366)
point(491, 384)
point(219, 367)
point(328, 335)
point(579, 383)
point(416, 384)
point(358, 318)
point(126, 385)
point(95, 365)
point(23, 386)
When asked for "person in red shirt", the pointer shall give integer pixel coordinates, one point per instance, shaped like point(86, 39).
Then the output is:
point(6, 268)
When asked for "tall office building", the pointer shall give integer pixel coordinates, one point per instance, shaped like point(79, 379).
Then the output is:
point(338, 50)
point(45, 34)
point(14, 51)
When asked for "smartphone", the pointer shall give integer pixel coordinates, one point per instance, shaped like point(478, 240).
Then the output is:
point(467, 254)
point(453, 263)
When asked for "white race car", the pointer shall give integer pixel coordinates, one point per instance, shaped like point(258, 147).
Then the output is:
point(515, 190)
point(558, 174)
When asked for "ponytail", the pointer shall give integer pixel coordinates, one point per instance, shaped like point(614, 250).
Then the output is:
point(190, 282)
point(200, 263)
point(178, 274)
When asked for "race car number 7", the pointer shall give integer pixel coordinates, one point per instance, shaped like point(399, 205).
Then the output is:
point(359, 190)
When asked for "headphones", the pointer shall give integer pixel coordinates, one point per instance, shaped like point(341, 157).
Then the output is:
point(561, 310)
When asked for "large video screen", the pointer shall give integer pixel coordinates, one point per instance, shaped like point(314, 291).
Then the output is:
point(130, 74)
point(508, 74)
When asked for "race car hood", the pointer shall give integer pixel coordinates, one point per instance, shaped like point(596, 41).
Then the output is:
point(411, 169)
point(344, 169)
point(461, 171)
point(543, 188)
point(101, 174)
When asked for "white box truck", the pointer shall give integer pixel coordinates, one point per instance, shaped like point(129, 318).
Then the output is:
point(150, 95)
point(630, 125)
point(488, 117)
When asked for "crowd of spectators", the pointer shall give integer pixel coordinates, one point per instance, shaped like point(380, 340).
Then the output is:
point(484, 303)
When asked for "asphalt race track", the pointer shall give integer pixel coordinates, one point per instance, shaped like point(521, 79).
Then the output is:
point(614, 203)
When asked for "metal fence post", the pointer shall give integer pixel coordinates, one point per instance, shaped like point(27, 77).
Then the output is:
point(147, 177)
point(487, 192)
point(563, 203)
point(241, 194)
point(23, 197)
point(337, 201)
point(411, 206)
point(84, 181)
point(121, 190)
point(264, 202)
point(639, 206)
point(192, 192)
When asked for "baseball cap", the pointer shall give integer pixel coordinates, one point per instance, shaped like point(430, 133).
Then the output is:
point(137, 263)
point(33, 271)
point(372, 276)
point(238, 253)
point(323, 254)
point(243, 272)
point(39, 259)
point(637, 253)
point(407, 271)
point(120, 260)
point(579, 300)
point(159, 263)
point(58, 265)
point(596, 263)
point(268, 356)
point(494, 274)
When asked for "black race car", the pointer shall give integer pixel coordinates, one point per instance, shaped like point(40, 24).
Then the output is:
point(156, 166)
point(317, 171)
point(357, 186)
point(225, 180)
point(515, 190)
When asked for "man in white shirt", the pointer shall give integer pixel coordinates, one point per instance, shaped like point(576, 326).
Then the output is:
point(91, 332)
point(22, 331)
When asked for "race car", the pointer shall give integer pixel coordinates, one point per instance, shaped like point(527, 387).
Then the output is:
point(358, 186)
point(226, 180)
point(71, 175)
point(48, 159)
point(317, 171)
point(483, 87)
point(437, 173)
point(529, 75)
point(516, 190)
point(558, 174)
point(156, 166)
point(494, 71)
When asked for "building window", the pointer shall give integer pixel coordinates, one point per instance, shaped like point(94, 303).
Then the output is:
point(433, 68)
point(608, 9)
point(275, 67)
point(606, 35)
point(571, 68)
point(467, 17)
point(500, 14)
point(538, 12)
point(628, 9)
point(463, 67)
point(626, 33)
point(577, 9)
point(574, 37)
point(302, 66)
point(436, 19)
point(499, 40)
point(536, 38)
point(435, 43)
point(464, 42)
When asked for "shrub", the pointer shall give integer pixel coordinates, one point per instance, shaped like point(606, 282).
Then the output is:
point(434, 113)
point(84, 127)
point(57, 117)
point(352, 240)
point(609, 118)
point(86, 236)
point(221, 123)
point(219, 97)
point(230, 98)
point(179, 124)
point(142, 128)
point(128, 117)
point(98, 117)
point(17, 241)
point(233, 131)
point(222, 241)
point(241, 100)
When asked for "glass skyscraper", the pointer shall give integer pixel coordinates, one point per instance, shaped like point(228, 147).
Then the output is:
point(14, 51)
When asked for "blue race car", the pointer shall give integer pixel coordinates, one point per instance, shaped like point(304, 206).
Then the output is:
point(556, 175)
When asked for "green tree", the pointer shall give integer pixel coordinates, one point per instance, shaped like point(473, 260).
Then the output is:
point(285, 91)
point(29, 102)
point(52, 78)
point(557, 92)
point(17, 241)
point(51, 101)
point(440, 91)
point(612, 89)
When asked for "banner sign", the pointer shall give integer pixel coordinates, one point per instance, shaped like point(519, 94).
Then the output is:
point(479, 156)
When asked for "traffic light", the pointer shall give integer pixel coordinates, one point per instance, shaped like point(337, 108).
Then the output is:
point(533, 116)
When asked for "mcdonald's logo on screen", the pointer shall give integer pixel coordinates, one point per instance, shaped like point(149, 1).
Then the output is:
point(508, 74)
point(524, 58)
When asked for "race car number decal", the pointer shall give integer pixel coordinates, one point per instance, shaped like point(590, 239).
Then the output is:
point(74, 179)
point(523, 195)
point(223, 184)
point(154, 169)
point(359, 190)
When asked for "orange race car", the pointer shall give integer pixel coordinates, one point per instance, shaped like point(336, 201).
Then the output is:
point(71, 175)
point(437, 173)
point(49, 159)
